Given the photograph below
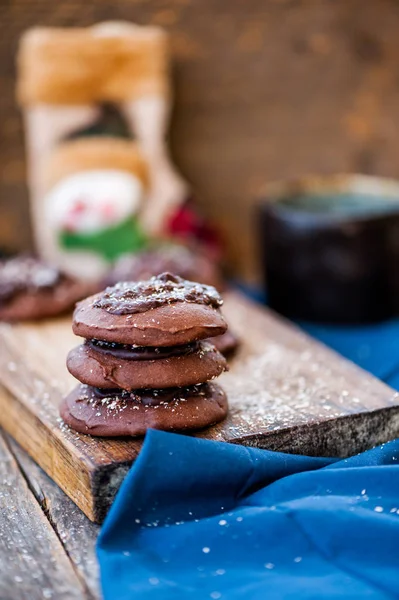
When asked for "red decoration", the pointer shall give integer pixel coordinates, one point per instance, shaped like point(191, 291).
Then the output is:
point(189, 226)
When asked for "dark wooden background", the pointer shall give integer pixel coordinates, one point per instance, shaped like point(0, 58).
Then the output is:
point(265, 90)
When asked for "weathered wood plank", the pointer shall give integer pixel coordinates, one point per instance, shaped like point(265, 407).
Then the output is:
point(34, 564)
point(78, 535)
point(285, 390)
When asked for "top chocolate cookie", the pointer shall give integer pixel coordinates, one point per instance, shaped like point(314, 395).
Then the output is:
point(166, 310)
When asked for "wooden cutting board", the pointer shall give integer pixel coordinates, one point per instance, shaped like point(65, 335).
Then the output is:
point(286, 392)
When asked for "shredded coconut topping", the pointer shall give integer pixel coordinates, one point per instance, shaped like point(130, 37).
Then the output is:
point(130, 297)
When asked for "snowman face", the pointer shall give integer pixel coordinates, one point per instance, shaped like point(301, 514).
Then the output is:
point(92, 201)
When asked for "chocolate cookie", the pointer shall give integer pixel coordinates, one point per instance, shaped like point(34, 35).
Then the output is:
point(88, 410)
point(163, 311)
point(31, 289)
point(105, 365)
point(172, 258)
point(227, 343)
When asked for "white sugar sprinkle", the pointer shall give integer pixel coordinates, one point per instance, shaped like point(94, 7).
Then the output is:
point(220, 571)
point(378, 509)
point(222, 522)
point(206, 550)
point(298, 559)
point(269, 566)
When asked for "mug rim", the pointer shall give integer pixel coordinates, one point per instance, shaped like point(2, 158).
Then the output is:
point(369, 185)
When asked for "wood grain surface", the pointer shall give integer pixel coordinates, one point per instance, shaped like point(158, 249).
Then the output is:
point(33, 561)
point(76, 533)
point(265, 90)
point(286, 392)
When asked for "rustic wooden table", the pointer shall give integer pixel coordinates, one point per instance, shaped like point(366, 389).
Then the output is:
point(46, 542)
point(287, 392)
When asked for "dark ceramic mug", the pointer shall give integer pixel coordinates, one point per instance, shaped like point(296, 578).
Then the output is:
point(330, 248)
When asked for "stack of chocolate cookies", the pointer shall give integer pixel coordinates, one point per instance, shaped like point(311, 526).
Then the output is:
point(144, 363)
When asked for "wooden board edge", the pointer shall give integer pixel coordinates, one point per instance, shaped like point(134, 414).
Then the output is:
point(106, 482)
point(18, 421)
point(339, 437)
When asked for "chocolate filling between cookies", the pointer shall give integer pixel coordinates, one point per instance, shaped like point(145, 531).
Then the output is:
point(150, 397)
point(129, 352)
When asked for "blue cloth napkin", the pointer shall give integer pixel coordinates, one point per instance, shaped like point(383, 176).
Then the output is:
point(209, 520)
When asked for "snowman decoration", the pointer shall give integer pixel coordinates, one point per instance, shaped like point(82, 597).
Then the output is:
point(97, 211)
point(92, 204)
point(94, 198)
